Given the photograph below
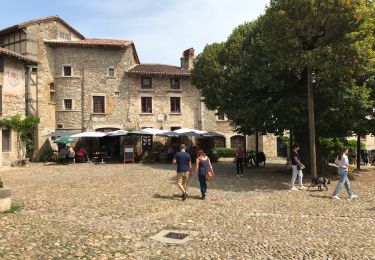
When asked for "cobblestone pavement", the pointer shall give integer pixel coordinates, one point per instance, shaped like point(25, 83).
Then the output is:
point(110, 211)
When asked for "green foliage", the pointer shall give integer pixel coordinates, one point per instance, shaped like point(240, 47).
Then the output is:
point(14, 208)
point(330, 147)
point(225, 152)
point(148, 157)
point(214, 156)
point(23, 126)
point(1, 183)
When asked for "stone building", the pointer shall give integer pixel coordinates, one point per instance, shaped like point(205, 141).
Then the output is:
point(84, 84)
point(15, 75)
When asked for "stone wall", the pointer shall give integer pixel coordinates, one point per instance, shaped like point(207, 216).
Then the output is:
point(12, 81)
point(161, 116)
point(90, 78)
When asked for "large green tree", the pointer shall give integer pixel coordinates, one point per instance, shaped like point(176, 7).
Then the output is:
point(258, 77)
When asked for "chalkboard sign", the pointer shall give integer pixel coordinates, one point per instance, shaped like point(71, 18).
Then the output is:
point(129, 154)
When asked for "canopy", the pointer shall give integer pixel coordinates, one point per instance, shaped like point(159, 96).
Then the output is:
point(183, 132)
point(65, 140)
point(154, 131)
point(139, 132)
point(118, 133)
point(60, 133)
point(90, 134)
point(212, 134)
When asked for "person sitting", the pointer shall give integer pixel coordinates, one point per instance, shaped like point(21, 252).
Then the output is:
point(82, 154)
point(71, 155)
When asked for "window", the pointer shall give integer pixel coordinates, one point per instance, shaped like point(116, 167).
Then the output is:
point(52, 93)
point(146, 83)
point(67, 71)
point(220, 116)
point(68, 104)
point(175, 105)
point(64, 36)
point(175, 83)
point(98, 104)
point(236, 141)
point(219, 141)
point(1, 63)
point(146, 103)
point(6, 140)
point(111, 72)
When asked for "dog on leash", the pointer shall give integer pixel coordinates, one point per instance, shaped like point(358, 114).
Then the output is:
point(319, 182)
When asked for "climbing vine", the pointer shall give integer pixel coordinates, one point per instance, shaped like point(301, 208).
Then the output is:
point(23, 128)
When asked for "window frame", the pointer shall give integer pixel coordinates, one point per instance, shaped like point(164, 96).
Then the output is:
point(52, 92)
point(175, 87)
point(63, 70)
point(171, 104)
point(114, 72)
point(93, 104)
point(151, 105)
point(143, 86)
point(9, 148)
point(71, 104)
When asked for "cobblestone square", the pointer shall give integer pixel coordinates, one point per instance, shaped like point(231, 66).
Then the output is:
point(111, 211)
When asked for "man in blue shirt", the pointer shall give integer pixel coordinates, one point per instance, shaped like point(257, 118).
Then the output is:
point(183, 161)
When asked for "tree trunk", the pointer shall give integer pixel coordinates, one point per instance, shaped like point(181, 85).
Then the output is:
point(358, 152)
point(311, 123)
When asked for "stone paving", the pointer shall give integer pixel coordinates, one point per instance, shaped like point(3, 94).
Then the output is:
point(111, 211)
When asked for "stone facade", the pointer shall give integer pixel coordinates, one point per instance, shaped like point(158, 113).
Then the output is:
point(12, 84)
point(106, 70)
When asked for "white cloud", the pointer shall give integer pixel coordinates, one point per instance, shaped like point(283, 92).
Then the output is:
point(162, 29)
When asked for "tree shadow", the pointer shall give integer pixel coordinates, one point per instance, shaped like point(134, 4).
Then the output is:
point(175, 197)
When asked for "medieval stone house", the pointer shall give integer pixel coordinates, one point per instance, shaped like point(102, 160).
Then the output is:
point(78, 84)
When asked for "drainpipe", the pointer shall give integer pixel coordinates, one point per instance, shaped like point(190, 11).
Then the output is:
point(27, 89)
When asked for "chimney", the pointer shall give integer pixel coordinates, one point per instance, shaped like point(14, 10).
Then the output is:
point(187, 59)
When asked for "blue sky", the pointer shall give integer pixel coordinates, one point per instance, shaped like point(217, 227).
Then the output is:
point(160, 29)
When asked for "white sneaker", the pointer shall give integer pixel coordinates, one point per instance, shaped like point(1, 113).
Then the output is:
point(353, 196)
point(335, 197)
point(302, 188)
point(293, 188)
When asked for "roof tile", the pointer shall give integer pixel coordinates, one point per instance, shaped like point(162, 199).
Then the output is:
point(158, 70)
point(16, 55)
point(91, 43)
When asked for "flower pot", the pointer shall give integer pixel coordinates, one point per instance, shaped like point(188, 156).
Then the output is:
point(5, 201)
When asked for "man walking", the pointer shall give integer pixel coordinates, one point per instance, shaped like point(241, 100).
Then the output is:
point(239, 160)
point(183, 161)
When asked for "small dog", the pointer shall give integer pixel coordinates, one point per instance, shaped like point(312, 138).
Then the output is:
point(319, 182)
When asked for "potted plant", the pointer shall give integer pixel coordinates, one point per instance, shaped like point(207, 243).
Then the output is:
point(5, 201)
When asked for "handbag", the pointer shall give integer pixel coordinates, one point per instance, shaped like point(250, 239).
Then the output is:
point(209, 174)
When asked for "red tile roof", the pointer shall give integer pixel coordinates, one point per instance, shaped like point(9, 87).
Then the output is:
point(158, 70)
point(91, 43)
point(39, 20)
point(16, 55)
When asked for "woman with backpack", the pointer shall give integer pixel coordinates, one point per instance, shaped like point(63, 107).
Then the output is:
point(343, 162)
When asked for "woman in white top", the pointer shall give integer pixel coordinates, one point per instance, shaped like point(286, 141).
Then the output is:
point(343, 162)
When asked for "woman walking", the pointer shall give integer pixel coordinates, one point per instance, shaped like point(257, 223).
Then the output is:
point(343, 163)
point(202, 165)
point(297, 167)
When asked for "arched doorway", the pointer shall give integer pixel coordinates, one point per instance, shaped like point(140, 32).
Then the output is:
point(219, 141)
point(236, 141)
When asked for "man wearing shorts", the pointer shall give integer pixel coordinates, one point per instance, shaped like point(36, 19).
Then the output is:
point(183, 161)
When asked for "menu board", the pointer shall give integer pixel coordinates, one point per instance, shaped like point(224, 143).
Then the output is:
point(128, 154)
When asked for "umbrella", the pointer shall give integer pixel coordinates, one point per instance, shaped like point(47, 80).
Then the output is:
point(189, 131)
point(139, 132)
point(90, 134)
point(118, 133)
point(65, 140)
point(60, 133)
point(212, 134)
point(153, 131)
